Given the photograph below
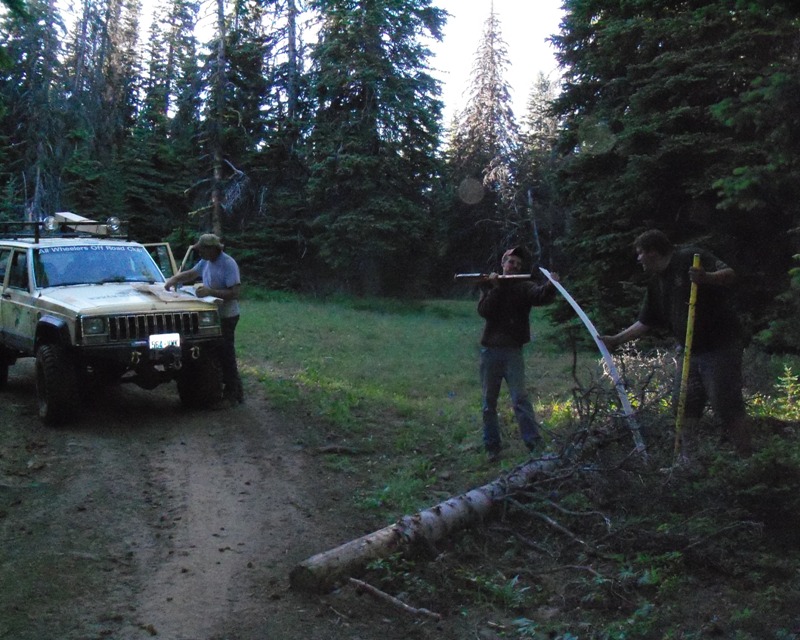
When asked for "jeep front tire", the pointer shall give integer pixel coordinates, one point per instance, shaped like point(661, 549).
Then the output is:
point(56, 385)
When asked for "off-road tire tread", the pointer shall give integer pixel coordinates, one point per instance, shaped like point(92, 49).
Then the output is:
point(56, 385)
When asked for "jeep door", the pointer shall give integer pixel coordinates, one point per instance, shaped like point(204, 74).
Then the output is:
point(17, 314)
point(5, 254)
point(161, 253)
point(190, 258)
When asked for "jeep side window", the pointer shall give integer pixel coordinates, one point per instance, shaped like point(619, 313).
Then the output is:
point(18, 276)
point(4, 253)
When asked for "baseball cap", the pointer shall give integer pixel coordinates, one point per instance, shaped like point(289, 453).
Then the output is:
point(208, 240)
point(519, 252)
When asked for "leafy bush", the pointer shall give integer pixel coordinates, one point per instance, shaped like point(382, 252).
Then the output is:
point(783, 331)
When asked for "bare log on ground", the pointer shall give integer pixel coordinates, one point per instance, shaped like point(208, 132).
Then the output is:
point(321, 572)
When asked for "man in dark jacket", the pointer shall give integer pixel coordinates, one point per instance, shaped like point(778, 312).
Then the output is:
point(715, 373)
point(506, 306)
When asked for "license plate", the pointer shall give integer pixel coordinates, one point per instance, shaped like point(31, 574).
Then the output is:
point(160, 341)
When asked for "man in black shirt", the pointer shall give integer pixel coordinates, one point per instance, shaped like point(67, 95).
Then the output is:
point(715, 373)
point(506, 306)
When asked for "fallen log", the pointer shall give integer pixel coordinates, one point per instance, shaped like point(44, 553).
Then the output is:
point(321, 572)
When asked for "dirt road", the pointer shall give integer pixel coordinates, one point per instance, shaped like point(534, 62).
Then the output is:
point(143, 520)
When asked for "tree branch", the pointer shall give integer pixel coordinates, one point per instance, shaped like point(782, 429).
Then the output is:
point(360, 585)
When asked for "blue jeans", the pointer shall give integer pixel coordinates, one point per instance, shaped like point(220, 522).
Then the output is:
point(498, 364)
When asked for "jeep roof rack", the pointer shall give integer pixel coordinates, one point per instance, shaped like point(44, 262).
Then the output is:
point(65, 224)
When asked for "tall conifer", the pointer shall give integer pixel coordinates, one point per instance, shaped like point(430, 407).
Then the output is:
point(373, 146)
point(482, 162)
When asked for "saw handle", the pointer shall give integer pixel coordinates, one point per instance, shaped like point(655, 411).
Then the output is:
point(687, 356)
point(477, 278)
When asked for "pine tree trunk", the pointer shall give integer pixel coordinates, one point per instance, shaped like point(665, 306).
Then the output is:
point(219, 102)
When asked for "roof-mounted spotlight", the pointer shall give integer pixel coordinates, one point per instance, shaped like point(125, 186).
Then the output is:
point(113, 224)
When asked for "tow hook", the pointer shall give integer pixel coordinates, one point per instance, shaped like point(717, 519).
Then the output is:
point(175, 352)
point(135, 358)
point(195, 352)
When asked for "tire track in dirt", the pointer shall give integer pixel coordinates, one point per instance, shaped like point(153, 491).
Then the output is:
point(213, 533)
point(144, 520)
point(183, 524)
point(234, 498)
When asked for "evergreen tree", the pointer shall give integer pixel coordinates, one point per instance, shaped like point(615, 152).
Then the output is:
point(32, 111)
point(242, 124)
point(485, 216)
point(164, 155)
point(274, 204)
point(764, 182)
point(660, 103)
point(373, 146)
point(17, 8)
point(101, 76)
point(537, 169)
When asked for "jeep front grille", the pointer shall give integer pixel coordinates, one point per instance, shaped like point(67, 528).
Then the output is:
point(140, 326)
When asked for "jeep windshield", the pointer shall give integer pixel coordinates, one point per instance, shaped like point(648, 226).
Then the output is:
point(93, 264)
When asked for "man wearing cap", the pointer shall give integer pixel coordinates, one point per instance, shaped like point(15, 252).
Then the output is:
point(506, 306)
point(219, 274)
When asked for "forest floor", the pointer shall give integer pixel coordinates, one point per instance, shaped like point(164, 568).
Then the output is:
point(144, 520)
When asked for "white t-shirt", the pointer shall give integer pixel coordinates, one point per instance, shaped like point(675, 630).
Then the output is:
point(222, 273)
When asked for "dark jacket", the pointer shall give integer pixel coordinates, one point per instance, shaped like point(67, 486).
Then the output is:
point(507, 308)
point(666, 304)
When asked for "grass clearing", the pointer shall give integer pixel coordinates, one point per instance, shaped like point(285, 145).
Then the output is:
point(394, 380)
point(650, 553)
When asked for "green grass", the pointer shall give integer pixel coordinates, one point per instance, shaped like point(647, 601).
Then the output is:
point(391, 378)
point(667, 556)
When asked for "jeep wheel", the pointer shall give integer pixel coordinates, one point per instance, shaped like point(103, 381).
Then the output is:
point(3, 373)
point(56, 385)
point(200, 383)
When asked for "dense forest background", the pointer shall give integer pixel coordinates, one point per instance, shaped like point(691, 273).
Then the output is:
point(309, 134)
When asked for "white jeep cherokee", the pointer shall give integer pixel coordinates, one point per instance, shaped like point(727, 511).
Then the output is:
point(90, 306)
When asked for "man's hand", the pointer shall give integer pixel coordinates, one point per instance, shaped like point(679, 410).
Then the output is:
point(636, 330)
point(722, 278)
point(698, 275)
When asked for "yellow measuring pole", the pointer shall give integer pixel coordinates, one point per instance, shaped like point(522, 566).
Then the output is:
point(687, 356)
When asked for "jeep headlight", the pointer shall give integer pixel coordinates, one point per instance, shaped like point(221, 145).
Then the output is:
point(207, 319)
point(94, 326)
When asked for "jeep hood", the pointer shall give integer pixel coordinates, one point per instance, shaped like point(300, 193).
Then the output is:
point(122, 298)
